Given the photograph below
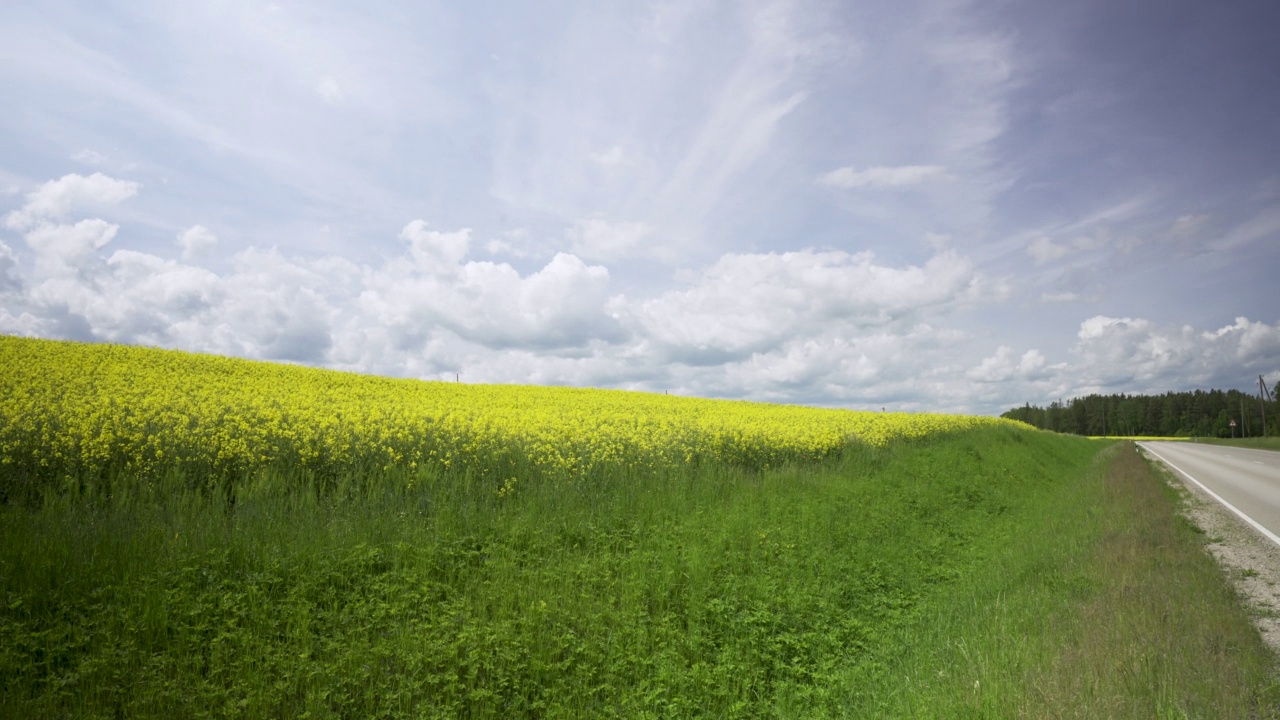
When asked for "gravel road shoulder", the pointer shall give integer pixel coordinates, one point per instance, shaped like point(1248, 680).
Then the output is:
point(1248, 558)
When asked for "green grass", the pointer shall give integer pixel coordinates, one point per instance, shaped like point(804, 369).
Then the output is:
point(1258, 443)
point(995, 573)
point(1108, 607)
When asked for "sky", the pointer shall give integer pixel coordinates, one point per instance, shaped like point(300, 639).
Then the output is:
point(917, 205)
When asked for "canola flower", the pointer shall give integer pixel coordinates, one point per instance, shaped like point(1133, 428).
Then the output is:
point(72, 410)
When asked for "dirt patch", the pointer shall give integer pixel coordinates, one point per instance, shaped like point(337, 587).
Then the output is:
point(1249, 559)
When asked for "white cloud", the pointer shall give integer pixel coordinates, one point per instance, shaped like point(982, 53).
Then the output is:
point(1188, 226)
point(56, 198)
point(1101, 325)
point(752, 302)
point(512, 243)
point(282, 308)
point(832, 326)
point(1130, 355)
point(1062, 297)
point(632, 125)
point(1002, 366)
point(90, 157)
point(1044, 250)
point(1093, 242)
point(823, 327)
point(1188, 234)
point(491, 304)
point(603, 239)
point(10, 277)
point(847, 177)
point(1137, 355)
point(196, 241)
point(937, 241)
point(433, 251)
point(745, 110)
point(327, 310)
point(499, 247)
point(1254, 341)
point(329, 90)
point(978, 66)
point(1263, 225)
point(908, 367)
point(144, 298)
point(614, 157)
point(1032, 361)
point(61, 248)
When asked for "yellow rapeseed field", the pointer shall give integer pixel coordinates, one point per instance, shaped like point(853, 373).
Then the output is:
point(67, 409)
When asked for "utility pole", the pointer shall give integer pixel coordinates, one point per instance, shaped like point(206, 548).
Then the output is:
point(1244, 424)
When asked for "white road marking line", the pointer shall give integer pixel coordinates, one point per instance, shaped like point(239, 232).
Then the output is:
point(1270, 535)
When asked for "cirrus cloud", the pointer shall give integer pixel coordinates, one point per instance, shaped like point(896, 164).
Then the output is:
point(900, 176)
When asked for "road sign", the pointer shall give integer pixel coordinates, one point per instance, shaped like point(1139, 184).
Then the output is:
point(1233, 423)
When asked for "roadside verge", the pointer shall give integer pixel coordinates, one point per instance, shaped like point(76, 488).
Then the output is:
point(1249, 559)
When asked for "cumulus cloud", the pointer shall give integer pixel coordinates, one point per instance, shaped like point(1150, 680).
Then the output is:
point(434, 251)
point(269, 305)
point(196, 241)
point(1135, 355)
point(10, 278)
point(56, 198)
point(1003, 365)
point(762, 325)
point(1256, 344)
point(822, 327)
point(144, 298)
point(490, 304)
point(1119, 351)
point(61, 248)
point(746, 303)
point(908, 367)
point(900, 176)
point(282, 308)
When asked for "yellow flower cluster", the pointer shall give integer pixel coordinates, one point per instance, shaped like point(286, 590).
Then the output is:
point(70, 408)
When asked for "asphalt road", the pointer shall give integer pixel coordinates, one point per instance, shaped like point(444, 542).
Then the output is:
point(1246, 481)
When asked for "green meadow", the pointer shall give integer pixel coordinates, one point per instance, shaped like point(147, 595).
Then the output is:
point(992, 573)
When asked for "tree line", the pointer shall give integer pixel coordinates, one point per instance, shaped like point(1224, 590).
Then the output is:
point(1197, 413)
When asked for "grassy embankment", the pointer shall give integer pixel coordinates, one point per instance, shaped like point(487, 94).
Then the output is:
point(995, 572)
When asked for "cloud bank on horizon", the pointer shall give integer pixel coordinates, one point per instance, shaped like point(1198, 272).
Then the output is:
point(931, 205)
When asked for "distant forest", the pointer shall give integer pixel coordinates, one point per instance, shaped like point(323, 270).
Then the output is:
point(1198, 413)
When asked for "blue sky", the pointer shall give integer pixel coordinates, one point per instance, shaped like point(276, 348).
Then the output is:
point(933, 205)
